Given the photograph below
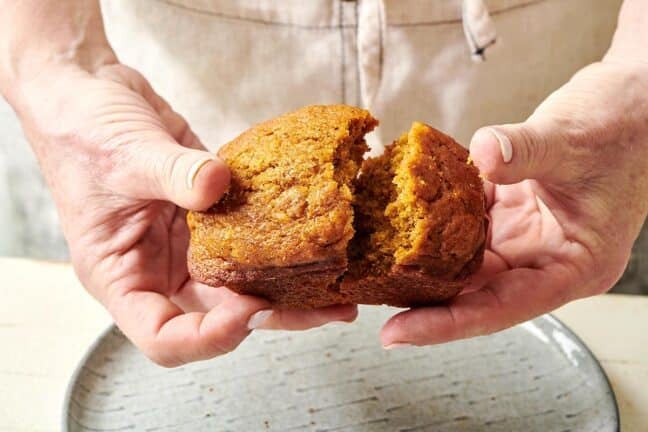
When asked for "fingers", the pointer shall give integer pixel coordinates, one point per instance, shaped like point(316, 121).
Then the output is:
point(170, 337)
point(173, 122)
point(511, 297)
point(159, 157)
point(186, 175)
point(511, 153)
point(197, 297)
point(492, 265)
point(489, 191)
point(305, 319)
point(157, 167)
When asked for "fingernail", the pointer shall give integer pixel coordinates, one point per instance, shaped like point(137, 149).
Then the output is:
point(397, 345)
point(193, 171)
point(258, 318)
point(505, 145)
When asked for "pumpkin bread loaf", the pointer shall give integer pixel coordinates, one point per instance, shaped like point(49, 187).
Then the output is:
point(302, 229)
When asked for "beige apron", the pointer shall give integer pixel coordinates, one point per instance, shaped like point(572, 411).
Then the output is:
point(227, 64)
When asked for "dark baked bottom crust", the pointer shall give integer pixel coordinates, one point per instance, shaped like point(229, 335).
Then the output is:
point(298, 287)
point(314, 289)
point(318, 284)
point(400, 289)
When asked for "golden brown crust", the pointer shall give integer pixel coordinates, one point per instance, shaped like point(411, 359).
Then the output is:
point(283, 229)
point(451, 196)
point(285, 206)
point(289, 202)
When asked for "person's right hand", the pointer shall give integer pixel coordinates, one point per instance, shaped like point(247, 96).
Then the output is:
point(122, 167)
point(567, 196)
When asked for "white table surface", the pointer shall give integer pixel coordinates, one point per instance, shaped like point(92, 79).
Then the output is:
point(47, 321)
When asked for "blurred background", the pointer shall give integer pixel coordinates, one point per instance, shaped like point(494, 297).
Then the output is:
point(26, 228)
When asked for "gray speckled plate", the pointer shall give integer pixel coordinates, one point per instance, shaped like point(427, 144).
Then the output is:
point(535, 377)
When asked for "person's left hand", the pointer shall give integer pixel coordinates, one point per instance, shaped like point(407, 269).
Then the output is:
point(568, 197)
point(123, 166)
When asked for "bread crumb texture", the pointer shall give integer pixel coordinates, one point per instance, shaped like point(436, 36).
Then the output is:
point(419, 205)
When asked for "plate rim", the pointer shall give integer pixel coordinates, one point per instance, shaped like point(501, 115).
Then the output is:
point(597, 363)
point(67, 396)
point(65, 412)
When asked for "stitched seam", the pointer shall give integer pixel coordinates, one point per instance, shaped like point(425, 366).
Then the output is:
point(225, 16)
point(357, 62)
point(342, 56)
point(458, 20)
point(381, 58)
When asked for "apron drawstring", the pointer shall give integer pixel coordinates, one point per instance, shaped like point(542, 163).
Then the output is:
point(479, 28)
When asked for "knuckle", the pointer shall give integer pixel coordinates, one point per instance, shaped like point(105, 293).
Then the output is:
point(164, 362)
point(534, 146)
point(611, 276)
point(160, 358)
point(219, 346)
point(231, 338)
point(171, 167)
point(125, 76)
point(225, 339)
point(187, 138)
point(556, 146)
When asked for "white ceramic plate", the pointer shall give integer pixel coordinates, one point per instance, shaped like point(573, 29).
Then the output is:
point(535, 377)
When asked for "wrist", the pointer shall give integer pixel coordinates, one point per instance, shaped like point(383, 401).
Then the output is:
point(629, 41)
point(37, 37)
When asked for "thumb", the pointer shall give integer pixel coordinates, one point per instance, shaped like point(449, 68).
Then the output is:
point(161, 169)
point(511, 153)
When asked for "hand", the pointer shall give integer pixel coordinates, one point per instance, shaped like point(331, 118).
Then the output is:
point(569, 194)
point(122, 167)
